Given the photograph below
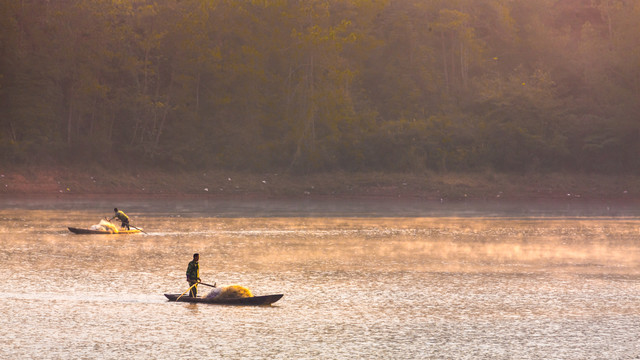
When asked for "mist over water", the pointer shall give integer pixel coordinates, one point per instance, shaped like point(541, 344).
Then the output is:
point(359, 281)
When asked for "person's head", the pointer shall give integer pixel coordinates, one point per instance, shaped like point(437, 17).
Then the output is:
point(115, 209)
point(196, 257)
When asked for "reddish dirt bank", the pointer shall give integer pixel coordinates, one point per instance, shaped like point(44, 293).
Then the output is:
point(450, 186)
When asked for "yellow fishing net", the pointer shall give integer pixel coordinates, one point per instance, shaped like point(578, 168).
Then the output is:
point(108, 226)
point(227, 292)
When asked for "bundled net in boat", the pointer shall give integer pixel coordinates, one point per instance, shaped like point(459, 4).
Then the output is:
point(213, 293)
point(105, 225)
point(227, 292)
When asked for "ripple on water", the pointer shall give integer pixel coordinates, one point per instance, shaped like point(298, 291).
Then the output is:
point(393, 288)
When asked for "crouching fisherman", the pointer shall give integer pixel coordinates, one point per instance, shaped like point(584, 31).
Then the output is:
point(193, 275)
point(124, 219)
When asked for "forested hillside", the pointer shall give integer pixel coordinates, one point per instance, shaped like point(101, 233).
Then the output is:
point(318, 86)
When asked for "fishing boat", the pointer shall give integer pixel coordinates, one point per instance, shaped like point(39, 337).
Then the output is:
point(106, 232)
point(105, 227)
point(248, 301)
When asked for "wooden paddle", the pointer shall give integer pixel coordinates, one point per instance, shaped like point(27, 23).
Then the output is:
point(186, 291)
point(137, 228)
point(214, 284)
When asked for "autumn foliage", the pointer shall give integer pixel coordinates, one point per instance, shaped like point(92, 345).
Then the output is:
point(318, 86)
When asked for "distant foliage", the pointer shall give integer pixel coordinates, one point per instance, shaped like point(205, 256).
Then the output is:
point(322, 85)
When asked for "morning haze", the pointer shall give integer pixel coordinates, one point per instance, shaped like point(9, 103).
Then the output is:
point(374, 179)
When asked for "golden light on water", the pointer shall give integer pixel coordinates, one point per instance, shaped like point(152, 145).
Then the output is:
point(449, 244)
point(435, 287)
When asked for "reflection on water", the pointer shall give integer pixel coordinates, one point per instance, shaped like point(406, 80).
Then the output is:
point(355, 287)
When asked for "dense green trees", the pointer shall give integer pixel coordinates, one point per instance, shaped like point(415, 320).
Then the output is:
point(322, 85)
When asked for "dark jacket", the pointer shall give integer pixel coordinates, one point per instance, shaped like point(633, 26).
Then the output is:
point(193, 271)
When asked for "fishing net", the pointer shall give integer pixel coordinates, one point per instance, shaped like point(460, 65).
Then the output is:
point(105, 226)
point(227, 292)
point(213, 293)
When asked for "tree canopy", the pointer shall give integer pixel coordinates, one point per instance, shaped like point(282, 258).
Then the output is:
point(322, 85)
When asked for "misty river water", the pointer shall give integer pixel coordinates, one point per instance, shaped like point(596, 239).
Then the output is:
point(361, 280)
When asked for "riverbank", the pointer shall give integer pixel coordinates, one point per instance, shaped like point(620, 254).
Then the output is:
point(449, 186)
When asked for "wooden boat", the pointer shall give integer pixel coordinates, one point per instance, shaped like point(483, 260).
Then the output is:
point(105, 232)
point(248, 301)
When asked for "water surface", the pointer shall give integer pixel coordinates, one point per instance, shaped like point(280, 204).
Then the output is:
point(361, 281)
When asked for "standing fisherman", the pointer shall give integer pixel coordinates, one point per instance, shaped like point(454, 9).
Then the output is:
point(193, 275)
point(124, 219)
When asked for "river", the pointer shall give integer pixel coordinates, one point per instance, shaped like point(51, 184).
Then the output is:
point(362, 279)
